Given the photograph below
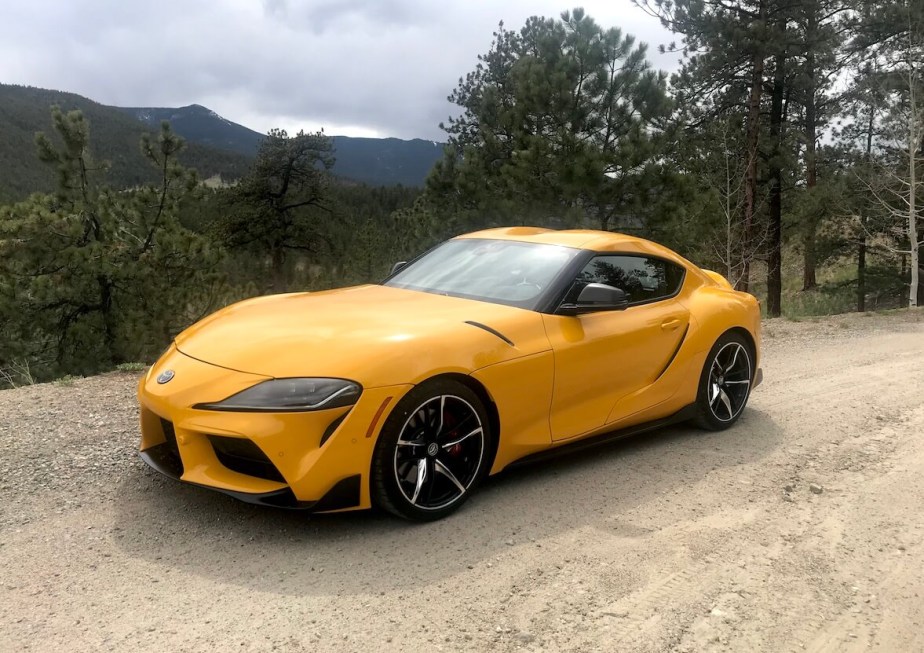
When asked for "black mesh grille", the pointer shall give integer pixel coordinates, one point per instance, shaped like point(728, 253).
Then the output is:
point(169, 454)
point(243, 456)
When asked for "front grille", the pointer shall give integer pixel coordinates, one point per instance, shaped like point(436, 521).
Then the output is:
point(243, 456)
point(169, 453)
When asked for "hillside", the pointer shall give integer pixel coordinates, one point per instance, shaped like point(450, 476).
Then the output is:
point(385, 161)
point(215, 146)
point(115, 137)
point(197, 124)
point(374, 161)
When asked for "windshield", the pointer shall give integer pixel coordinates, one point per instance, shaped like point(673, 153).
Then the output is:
point(499, 271)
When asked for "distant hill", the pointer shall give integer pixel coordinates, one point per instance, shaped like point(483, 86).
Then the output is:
point(197, 124)
point(215, 146)
point(115, 137)
point(374, 161)
point(385, 161)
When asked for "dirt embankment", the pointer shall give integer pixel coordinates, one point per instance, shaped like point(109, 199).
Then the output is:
point(802, 528)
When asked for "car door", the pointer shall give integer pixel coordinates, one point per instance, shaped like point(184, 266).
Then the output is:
point(601, 357)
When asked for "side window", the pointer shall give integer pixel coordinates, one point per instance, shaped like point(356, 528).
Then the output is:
point(644, 279)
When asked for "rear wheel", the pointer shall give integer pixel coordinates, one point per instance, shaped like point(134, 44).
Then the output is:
point(725, 383)
point(432, 451)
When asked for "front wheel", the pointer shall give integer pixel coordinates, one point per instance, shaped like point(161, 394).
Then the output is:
point(432, 452)
point(725, 383)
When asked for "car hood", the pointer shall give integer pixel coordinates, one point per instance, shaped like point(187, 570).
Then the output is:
point(375, 335)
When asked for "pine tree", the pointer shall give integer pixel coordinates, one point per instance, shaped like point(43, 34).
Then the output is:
point(891, 36)
point(280, 205)
point(561, 121)
point(95, 277)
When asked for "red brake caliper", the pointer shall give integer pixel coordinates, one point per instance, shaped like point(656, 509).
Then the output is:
point(455, 449)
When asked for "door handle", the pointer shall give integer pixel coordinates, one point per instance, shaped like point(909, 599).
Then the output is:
point(670, 325)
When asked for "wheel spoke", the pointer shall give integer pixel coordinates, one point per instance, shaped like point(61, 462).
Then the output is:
point(421, 479)
point(745, 381)
point(733, 360)
point(449, 445)
point(439, 428)
point(727, 403)
point(713, 392)
point(442, 469)
point(431, 479)
point(408, 443)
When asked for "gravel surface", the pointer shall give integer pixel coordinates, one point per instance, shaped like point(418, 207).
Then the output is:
point(799, 529)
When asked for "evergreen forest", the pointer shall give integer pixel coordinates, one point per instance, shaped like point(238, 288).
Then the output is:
point(786, 152)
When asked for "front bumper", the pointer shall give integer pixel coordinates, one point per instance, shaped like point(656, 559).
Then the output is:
point(318, 460)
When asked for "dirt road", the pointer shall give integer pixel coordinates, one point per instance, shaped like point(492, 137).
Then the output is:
point(802, 528)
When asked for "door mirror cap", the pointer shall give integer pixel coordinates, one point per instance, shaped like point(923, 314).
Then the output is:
point(596, 297)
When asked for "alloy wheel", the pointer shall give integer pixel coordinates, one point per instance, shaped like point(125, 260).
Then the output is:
point(439, 452)
point(729, 381)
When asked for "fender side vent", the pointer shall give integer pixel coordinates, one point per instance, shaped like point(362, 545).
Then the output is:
point(329, 431)
point(493, 332)
point(674, 355)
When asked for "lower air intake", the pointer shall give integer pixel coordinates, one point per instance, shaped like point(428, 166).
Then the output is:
point(245, 457)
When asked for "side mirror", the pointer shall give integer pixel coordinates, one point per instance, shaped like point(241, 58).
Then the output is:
point(596, 297)
point(397, 266)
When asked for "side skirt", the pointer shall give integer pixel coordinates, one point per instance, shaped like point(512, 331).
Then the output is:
point(683, 415)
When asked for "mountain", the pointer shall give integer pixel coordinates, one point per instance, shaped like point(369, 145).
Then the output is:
point(215, 146)
point(114, 135)
point(374, 161)
point(197, 124)
point(385, 161)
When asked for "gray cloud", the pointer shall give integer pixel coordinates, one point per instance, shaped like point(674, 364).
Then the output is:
point(364, 67)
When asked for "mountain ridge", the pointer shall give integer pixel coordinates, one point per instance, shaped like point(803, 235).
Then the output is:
point(216, 146)
point(375, 161)
point(114, 137)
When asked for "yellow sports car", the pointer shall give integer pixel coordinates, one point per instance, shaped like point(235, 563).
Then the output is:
point(494, 347)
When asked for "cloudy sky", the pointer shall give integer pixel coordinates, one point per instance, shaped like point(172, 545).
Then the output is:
point(354, 67)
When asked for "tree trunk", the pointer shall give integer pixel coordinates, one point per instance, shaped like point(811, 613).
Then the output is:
point(913, 144)
point(809, 257)
point(774, 260)
point(109, 329)
point(752, 143)
point(861, 253)
point(861, 275)
point(811, 166)
point(279, 269)
point(920, 270)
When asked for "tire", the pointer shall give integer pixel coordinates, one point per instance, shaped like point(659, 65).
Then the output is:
point(433, 451)
point(725, 383)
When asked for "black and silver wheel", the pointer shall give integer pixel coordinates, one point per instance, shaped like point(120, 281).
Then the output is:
point(432, 451)
point(725, 383)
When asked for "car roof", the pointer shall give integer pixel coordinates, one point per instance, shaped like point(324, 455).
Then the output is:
point(597, 241)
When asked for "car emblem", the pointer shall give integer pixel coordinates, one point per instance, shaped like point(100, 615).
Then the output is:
point(433, 448)
point(165, 376)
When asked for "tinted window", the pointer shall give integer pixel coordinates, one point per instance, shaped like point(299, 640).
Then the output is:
point(644, 279)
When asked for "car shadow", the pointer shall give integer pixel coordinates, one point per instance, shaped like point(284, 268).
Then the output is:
point(180, 528)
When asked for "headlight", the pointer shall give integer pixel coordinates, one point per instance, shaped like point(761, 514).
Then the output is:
point(291, 395)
